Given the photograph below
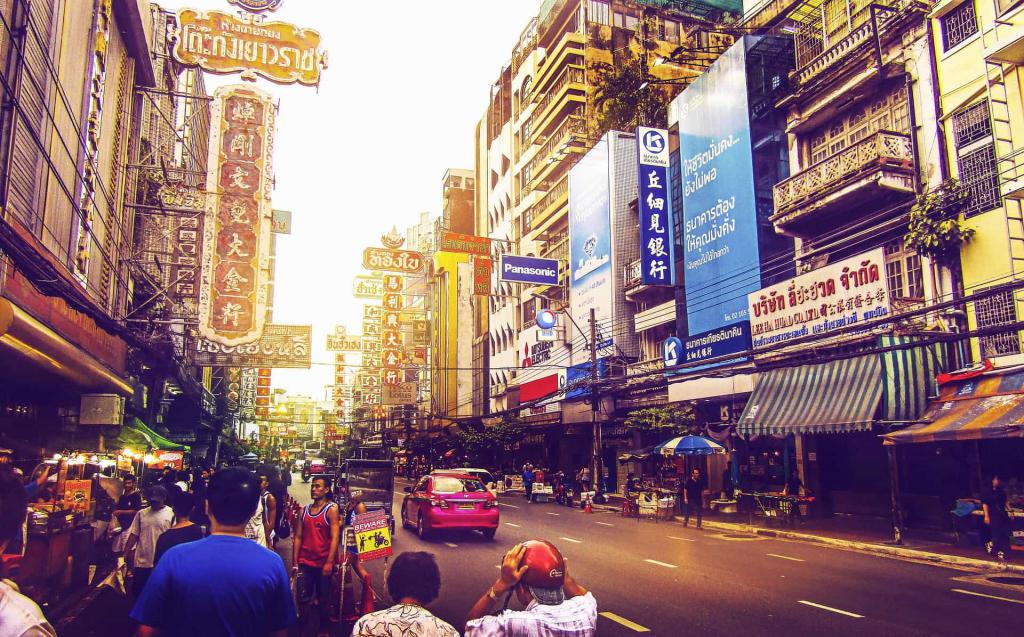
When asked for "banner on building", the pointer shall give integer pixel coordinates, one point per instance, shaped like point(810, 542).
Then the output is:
point(720, 233)
point(388, 260)
point(236, 244)
point(367, 287)
point(464, 243)
point(344, 342)
point(532, 270)
point(836, 296)
point(482, 276)
point(401, 394)
point(280, 346)
point(657, 260)
point(223, 43)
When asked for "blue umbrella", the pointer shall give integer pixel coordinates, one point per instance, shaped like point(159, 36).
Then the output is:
point(688, 446)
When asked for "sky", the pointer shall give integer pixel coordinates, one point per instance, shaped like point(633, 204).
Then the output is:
point(406, 84)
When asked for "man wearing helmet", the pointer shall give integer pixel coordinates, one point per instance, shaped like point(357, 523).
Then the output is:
point(555, 605)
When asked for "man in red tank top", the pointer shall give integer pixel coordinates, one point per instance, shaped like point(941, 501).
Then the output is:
point(315, 549)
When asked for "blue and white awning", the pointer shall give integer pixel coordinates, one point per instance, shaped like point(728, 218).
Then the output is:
point(688, 446)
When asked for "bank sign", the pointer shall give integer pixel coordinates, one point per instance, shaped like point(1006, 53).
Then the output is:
point(515, 269)
point(657, 261)
point(721, 260)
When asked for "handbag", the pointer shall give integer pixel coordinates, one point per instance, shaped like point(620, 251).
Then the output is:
point(284, 528)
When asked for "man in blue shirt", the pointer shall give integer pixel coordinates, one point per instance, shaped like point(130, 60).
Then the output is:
point(222, 586)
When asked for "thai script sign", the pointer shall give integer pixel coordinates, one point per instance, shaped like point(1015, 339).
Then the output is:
point(282, 222)
point(372, 535)
point(516, 269)
point(389, 260)
point(836, 296)
point(465, 243)
point(367, 287)
point(657, 260)
point(223, 43)
point(344, 342)
point(720, 236)
point(280, 346)
point(233, 294)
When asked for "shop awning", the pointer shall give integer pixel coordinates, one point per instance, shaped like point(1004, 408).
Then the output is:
point(153, 438)
point(989, 406)
point(844, 395)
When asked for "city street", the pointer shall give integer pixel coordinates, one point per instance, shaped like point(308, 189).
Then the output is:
point(664, 579)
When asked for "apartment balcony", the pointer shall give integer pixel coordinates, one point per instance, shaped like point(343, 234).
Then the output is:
point(631, 275)
point(542, 215)
point(569, 137)
point(873, 172)
point(558, 250)
point(558, 96)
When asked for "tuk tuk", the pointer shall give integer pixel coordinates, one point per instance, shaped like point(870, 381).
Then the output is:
point(371, 479)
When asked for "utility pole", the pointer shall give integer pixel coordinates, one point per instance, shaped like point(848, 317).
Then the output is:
point(595, 405)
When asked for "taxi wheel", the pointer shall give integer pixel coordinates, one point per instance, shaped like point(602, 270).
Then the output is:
point(421, 527)
point(489, 534)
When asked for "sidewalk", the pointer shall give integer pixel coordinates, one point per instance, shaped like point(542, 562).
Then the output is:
point(865, 535)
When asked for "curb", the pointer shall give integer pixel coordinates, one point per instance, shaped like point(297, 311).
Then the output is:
point(868, 547)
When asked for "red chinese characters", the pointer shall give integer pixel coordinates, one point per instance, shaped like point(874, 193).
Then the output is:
point(232, 302)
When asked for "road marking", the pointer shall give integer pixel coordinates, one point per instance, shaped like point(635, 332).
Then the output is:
point(684, 539)
point(1002, 599)
point(511, 506)
point(665, 564)
point(830, 609)
point(573, 540)
point(550, 513)
point(604, 524)
point(515, 525)
point(785, 557)
point(451, 545)
point(625, 622)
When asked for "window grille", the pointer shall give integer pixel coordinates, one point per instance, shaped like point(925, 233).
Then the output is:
point(979, 177)
point(998, 309)
point(972, 124)
point(958, 25)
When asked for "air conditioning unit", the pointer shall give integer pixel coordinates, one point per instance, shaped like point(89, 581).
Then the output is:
point(101, 409)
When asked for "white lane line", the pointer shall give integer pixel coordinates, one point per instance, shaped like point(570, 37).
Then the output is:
point(785, 557)
point(665, 564)
point(451, 545)
point(1002, 599)
point(830, 609)
point(511, 506)
point(682, 539)
point(618, 619)
point(604, 524)
point(550, 513)
point(573, 540)
point(512, 524)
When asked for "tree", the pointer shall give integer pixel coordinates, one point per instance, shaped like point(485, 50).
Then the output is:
point(667, 420)
point(936, 229)
point(622, 102)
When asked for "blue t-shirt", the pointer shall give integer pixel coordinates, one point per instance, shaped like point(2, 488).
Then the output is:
point(219, 586)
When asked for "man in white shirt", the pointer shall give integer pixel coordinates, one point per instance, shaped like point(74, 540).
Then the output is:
point(19, 615)
point(146, 528)
point(556, 606)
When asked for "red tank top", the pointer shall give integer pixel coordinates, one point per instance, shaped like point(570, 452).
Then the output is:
point(316, 537)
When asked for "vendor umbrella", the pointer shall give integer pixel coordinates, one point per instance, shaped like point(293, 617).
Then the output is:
point(688, 446)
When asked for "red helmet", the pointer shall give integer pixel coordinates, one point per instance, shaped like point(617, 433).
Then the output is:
point(547, 567)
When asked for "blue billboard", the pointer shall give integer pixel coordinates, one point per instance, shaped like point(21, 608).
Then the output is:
point(590, 240)
point(721, 261)
point(516, 269)
point(654, 203)
point(577, 378)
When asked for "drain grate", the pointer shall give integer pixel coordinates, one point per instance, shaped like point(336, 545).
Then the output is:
point(1012, 581)
point(737, 536)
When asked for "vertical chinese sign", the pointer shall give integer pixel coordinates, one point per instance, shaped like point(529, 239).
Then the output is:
point(233, 296)
point(657, 261)
point(391, 354)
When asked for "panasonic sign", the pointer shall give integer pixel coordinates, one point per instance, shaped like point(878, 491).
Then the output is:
point(515, 269)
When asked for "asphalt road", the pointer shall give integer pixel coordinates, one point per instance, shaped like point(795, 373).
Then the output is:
point(664, 579)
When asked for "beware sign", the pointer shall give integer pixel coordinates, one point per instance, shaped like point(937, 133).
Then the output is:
point(373, 537)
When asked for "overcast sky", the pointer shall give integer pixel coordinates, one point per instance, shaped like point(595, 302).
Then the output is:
point(406, 84)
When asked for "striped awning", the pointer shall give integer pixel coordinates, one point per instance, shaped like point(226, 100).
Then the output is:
point(837, 396)
point(988, 406)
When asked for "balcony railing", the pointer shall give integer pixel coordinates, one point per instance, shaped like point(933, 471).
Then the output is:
point(573, 126)
point(649, 366)
point(820, 47)
point(534, 216)
point(559, 250)
point(883, 149)
point(572, 75)
point(631, 273)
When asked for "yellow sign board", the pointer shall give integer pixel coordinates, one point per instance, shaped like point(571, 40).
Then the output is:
point(223, 43)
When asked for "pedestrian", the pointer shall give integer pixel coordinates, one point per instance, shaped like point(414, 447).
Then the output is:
point(223, 585)
point(19, 615)
point(127, 506)
point(183, 530)
point(199, 485)
point(149, 523)
point(255, 529)
point(528, 481)
point(693, 497)
point(997, 518)
point(286, 475)
point(555, 604)
point(583, 478)
point(269, 505)
point(315, 549)
point(413, 582)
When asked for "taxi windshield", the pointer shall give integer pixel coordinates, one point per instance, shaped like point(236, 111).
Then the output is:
point(449, 484)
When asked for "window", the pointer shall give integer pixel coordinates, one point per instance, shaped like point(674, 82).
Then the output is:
point(618, 21)
point(632, 22)
point(958, 25)
point(903, 271)
point(972, 124)
point(888, 111)
point(670, 31)
point(997, 309)
point(980, 179)
point(599, 12)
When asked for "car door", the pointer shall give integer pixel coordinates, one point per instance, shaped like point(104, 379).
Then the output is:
point(418, 495)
